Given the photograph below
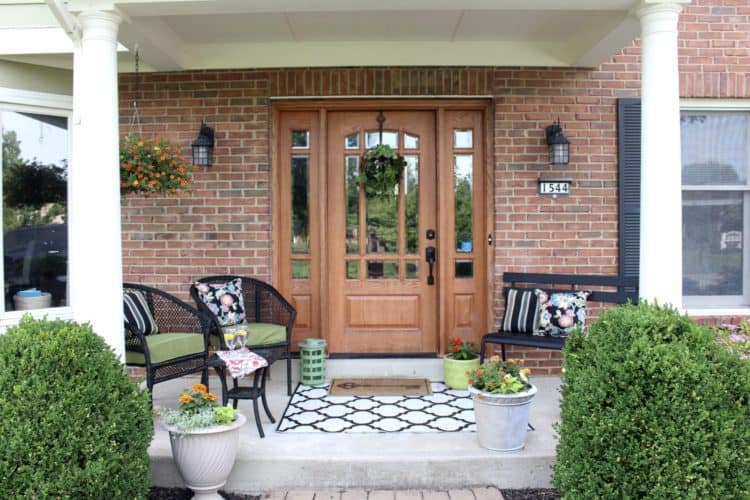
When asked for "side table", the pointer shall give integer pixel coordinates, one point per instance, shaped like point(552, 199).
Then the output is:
point(237, 392)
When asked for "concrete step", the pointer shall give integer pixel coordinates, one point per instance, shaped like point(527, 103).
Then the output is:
point(319, 461)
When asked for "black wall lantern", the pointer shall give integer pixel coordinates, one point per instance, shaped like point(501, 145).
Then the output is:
point(203, 147)
point(559, 146)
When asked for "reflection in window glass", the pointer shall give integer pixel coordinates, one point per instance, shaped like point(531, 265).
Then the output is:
point(300, 139)
point(411, 141)
point(352, 204)
point(411, 187)
point(712, 242)
point(390, 138)
point(35, 241)
point(382, 224)
point(300, 269)
point(300, 205)
point(464, 269)
point(378, 269)
point(352, 269)
point(412, 269)
point(351, 141)
point(463, 169)
point(463, 139)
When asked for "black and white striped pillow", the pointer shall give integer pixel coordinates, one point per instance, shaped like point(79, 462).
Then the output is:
point(521, 312)
point(137, 312)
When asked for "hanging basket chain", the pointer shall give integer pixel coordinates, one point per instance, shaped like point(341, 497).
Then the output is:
point(135, 119)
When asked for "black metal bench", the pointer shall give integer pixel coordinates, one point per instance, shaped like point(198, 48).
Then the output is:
point(604, 289)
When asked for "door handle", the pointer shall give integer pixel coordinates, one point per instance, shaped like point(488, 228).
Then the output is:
point(430, 258)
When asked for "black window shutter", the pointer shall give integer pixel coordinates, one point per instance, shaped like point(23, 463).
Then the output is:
point(629, 159)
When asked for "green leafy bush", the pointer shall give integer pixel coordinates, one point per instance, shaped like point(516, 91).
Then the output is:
point(652, 407)
point(71, 423)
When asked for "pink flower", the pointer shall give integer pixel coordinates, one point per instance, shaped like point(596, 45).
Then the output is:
point(227, 300)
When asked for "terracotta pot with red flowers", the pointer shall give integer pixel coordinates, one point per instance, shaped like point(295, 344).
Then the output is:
point(461, 358)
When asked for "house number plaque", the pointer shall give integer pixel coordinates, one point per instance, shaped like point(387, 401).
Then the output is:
point(554, 187)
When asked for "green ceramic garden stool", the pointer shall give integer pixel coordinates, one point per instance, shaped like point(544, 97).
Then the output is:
point(312, 361)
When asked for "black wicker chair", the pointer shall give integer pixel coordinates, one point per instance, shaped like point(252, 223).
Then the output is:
point(263, 304)
point(174, 351)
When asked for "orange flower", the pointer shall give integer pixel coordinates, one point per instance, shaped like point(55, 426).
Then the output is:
point(186, 398)
point(210, 396)
point(200, 388)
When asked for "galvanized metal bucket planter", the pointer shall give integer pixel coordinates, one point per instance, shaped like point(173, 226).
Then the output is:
point(502, 419)
point(205, 457)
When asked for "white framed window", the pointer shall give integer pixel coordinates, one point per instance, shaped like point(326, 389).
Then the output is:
point(35, 157)
point(715, 137)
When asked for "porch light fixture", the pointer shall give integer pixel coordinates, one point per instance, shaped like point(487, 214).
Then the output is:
point(203, 147)
point(559, 146)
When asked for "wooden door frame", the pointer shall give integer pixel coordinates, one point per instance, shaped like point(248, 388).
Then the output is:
point(323, 106)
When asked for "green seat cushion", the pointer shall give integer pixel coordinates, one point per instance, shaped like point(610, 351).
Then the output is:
point(166, 346)
point(260, 334)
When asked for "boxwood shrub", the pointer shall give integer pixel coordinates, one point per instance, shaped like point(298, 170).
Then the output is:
point(71, 423)
point(652, 407)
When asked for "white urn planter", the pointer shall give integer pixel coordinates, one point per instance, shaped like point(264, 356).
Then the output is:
point(502, 419)
point(205, 457)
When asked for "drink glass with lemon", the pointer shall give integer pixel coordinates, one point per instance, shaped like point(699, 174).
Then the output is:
point(230, 339)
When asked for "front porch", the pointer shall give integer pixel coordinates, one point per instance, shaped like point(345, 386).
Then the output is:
point(351, 461)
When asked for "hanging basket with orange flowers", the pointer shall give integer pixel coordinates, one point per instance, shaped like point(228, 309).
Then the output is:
point(151, 167)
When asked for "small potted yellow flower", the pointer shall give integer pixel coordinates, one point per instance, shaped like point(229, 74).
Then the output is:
point(502, 396)
point(204, 438)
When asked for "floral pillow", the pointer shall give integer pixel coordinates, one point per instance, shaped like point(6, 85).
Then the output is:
point(561, 312)
point(224, 300)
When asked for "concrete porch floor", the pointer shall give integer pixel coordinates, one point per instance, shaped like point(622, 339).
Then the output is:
point(400, 461)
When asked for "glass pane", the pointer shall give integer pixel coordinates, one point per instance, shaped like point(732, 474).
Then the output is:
point(300, 269)
point(714, 148)
point(390, 138)
point(35, 169)
point(412, 269)
point(300, 139)
point(464, 269)
point(463, 192)
point(411, 141)
point(712, 243)
point(300, 205)
point(378, 269)
point(352, 204)
point(382, 224)
point(411, 186)
point(463, 139)
point(352, 269)
point(352, 141)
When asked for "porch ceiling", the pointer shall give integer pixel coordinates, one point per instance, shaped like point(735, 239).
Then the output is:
point(205, 34)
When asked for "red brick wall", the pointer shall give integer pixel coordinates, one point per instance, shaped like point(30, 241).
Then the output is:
point(224, 224)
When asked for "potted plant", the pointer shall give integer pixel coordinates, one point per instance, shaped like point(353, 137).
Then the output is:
point(204, 438)
point(382, 168)
point(151, 167)
point(461, 358)
point(502, 398)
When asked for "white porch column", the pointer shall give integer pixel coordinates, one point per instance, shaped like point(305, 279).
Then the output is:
point(95, 256)
point(661, 196)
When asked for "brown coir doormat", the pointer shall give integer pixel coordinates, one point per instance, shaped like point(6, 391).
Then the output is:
point(389, 386)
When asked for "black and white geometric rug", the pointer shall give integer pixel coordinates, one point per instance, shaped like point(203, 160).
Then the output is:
point(311, 410)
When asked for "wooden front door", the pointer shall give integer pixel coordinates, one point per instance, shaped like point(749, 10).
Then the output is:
point(380, 297)
point(356, 266)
